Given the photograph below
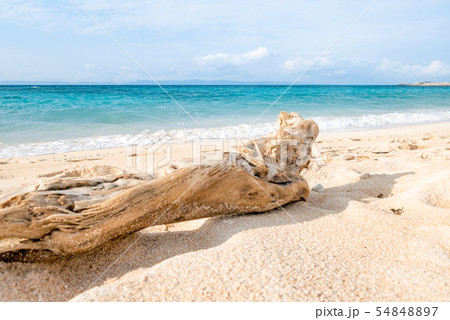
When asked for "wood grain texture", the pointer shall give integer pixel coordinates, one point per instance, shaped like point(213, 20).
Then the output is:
point(82, 209)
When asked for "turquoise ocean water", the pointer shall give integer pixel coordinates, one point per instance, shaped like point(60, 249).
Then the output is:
point(49, 119)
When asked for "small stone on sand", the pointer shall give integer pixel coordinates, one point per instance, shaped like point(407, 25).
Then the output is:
point(397, 211)
point(365, 176)
point(349, 157)
point(382, 149)
point(408, 146)
point(318, 188)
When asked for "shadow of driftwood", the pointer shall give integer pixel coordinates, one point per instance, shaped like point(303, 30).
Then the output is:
point(67, 277)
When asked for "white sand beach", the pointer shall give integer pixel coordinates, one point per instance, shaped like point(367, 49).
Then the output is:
point(343, 244)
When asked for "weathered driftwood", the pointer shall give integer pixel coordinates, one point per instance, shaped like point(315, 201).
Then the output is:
point(82, 209)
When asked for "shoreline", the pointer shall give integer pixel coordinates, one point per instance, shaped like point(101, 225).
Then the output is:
point(384, 130)
point(328, 132)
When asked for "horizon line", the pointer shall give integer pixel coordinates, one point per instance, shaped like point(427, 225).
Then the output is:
point(192, 82)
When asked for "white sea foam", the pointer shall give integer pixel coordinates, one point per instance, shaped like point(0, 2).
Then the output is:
point(381, 120)
point(326, 124)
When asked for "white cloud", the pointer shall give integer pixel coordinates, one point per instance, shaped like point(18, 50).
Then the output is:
point(91, 66)
point(234, 59)
point(301, 63)
point(328, 64)
point(23, 11)
point(387, 64)
point(435, 68)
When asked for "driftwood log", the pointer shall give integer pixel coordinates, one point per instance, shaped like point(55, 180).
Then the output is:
point(82, 209)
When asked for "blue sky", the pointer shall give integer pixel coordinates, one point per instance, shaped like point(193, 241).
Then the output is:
point(395, 41)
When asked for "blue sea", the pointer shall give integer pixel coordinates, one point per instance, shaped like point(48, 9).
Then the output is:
point(50, 119)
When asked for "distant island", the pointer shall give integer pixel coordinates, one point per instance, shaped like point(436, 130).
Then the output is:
point(426, 84)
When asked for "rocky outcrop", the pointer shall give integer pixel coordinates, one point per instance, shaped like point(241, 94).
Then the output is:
point(426, 84)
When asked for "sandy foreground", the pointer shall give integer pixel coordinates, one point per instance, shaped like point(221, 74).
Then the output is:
point(344, 244)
